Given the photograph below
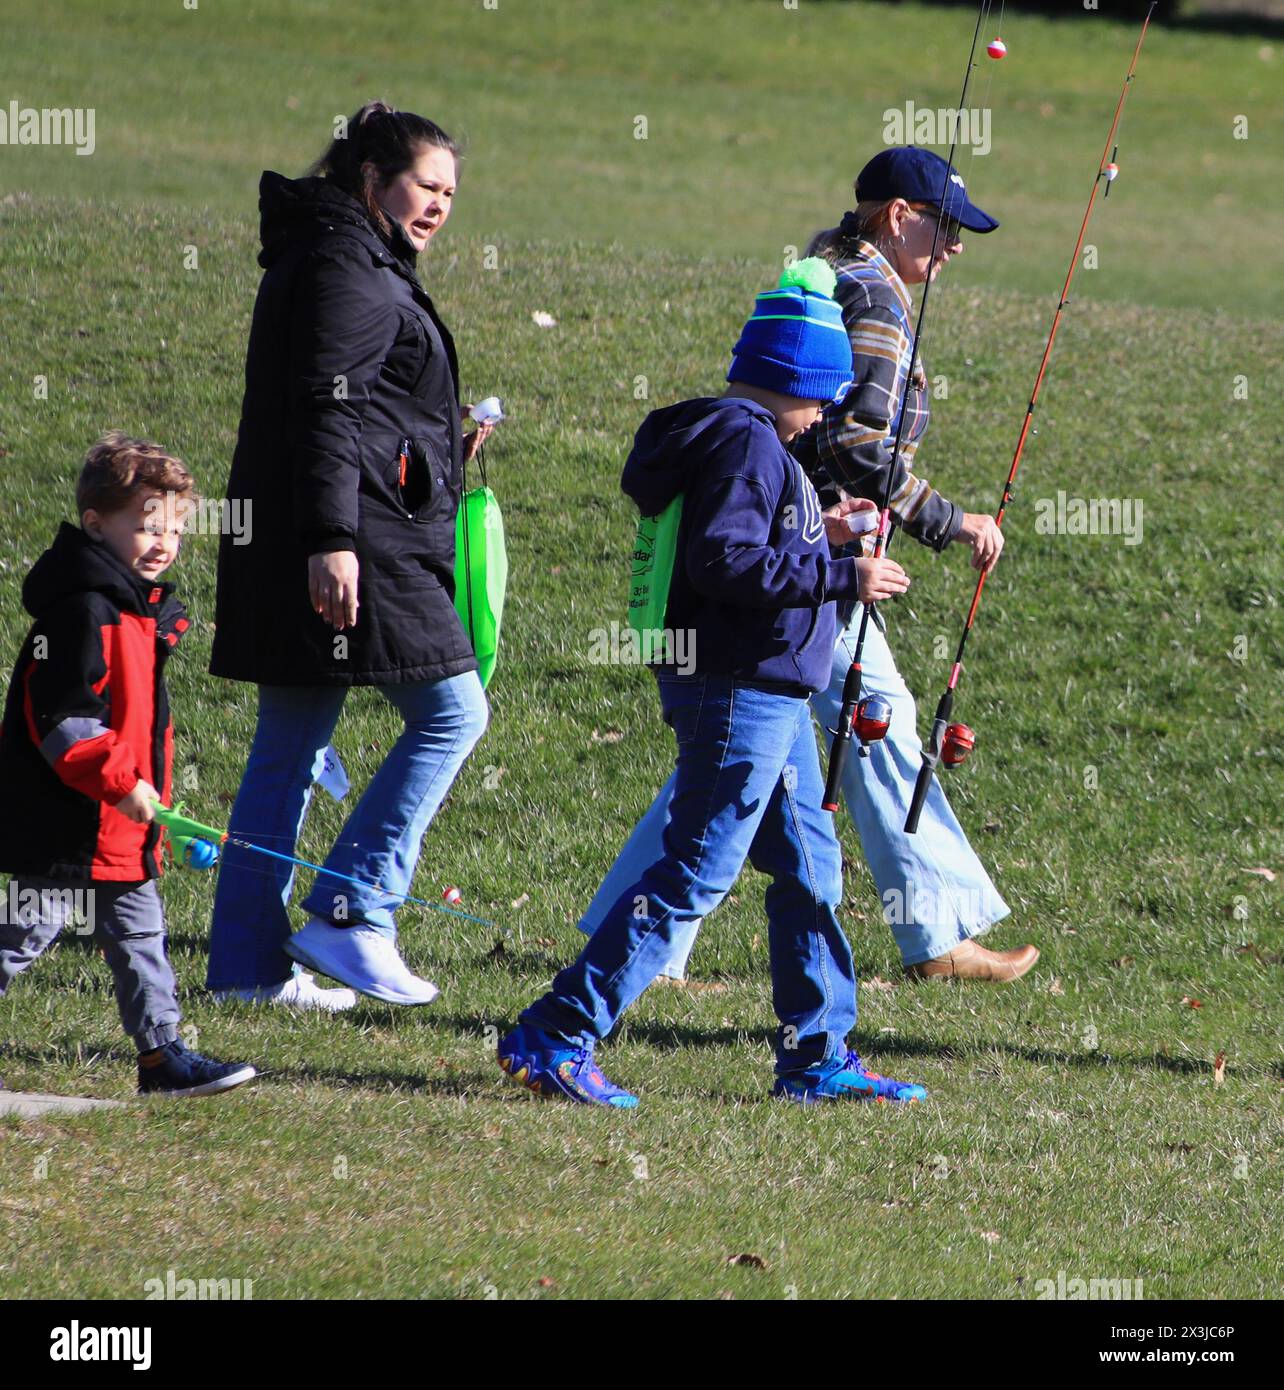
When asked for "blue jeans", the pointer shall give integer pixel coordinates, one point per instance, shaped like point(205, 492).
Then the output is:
point(747, 785)
point(379, 844)
point(934, 890)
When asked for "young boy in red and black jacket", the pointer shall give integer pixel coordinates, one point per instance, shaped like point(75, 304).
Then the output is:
point(86, 749)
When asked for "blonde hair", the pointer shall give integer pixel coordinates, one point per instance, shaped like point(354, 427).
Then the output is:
point(118, 468)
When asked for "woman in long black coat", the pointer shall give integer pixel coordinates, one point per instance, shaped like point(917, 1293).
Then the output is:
point(348, 466)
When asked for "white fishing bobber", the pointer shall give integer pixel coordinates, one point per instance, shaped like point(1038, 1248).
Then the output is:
point(996, 48)
point(1111, 171)
point(453, 896)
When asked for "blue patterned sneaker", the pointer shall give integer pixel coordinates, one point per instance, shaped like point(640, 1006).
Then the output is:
point(550, 1067)
point(845, 1078)
point(175, 1070)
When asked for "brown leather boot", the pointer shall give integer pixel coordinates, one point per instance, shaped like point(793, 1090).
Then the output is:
point(969, 961)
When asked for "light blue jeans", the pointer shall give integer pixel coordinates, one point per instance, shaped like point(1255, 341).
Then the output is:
point(378, 845)
point(934, 890)
point(747, 786)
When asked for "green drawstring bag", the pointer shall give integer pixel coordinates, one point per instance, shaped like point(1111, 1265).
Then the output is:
point(481, 573)
point(654, 550)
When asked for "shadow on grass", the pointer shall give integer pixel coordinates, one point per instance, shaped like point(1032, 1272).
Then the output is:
point(53, 1055)
point(672, 1037)
point(661, 1036)
point(521, 961)
point(452, 1086)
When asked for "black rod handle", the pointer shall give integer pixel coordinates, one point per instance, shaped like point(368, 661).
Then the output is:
point(924, 783)
point(841, 746)
point(931, 756)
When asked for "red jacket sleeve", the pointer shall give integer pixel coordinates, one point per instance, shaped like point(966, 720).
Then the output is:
point(67, 703)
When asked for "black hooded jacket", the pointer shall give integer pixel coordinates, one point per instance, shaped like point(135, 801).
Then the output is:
point(347, 362)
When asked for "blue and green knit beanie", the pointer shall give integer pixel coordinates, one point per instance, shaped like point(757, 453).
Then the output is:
point(794, 341)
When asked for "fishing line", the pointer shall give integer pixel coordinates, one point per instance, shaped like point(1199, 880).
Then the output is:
point(951, 743)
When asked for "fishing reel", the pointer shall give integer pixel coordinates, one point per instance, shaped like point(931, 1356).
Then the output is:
point(956, 743)
point(871, 720)
point(190, 850)
point(195, 854)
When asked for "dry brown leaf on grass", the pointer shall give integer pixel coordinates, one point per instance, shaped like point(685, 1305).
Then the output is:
point(1251, 948)
point(1267, 874)
point(753, 1261)
point(874, 982)
point(1219, 1069)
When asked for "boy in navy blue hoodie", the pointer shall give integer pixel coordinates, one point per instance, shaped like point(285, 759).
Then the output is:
point(753, 589)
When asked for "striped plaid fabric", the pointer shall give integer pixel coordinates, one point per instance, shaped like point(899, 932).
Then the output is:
point(851, 448)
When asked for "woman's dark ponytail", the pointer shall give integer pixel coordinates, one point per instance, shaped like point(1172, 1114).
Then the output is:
point(377, 144)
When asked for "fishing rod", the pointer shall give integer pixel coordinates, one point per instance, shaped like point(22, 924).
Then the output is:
point(869, 716)
point(197, 846)
point(950, 743)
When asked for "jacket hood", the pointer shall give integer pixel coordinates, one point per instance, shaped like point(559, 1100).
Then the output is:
point(75, 564)
point(672, 441)
point(294, 209)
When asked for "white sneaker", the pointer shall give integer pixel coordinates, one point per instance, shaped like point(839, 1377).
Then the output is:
point(300, 991)
point(360, 957)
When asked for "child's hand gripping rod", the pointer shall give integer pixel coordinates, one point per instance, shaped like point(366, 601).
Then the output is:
point(196, 846)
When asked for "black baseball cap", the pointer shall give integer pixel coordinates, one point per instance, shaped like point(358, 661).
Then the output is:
point(918, 176)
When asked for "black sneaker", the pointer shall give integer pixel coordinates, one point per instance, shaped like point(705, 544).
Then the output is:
point(175, 1070)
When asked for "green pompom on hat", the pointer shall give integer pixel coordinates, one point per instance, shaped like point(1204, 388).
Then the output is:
point(814, 274)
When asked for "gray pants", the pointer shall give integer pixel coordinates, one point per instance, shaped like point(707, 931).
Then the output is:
point(128, 922)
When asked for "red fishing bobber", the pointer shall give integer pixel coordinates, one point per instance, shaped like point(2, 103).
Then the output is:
point(452, 895)
point(873, 715)
point(1111, 171)
point(958, 742)
point(996, 48)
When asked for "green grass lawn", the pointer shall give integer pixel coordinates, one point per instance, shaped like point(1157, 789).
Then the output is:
point(758, 120)
point(1128, 771)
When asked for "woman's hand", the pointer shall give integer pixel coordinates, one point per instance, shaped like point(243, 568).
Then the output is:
point(880, 579)
point(984, 535)
point(473, 441)
point(332, 587)
point(837, 532)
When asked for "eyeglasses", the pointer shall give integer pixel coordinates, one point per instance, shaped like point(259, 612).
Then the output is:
point(950, 229)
